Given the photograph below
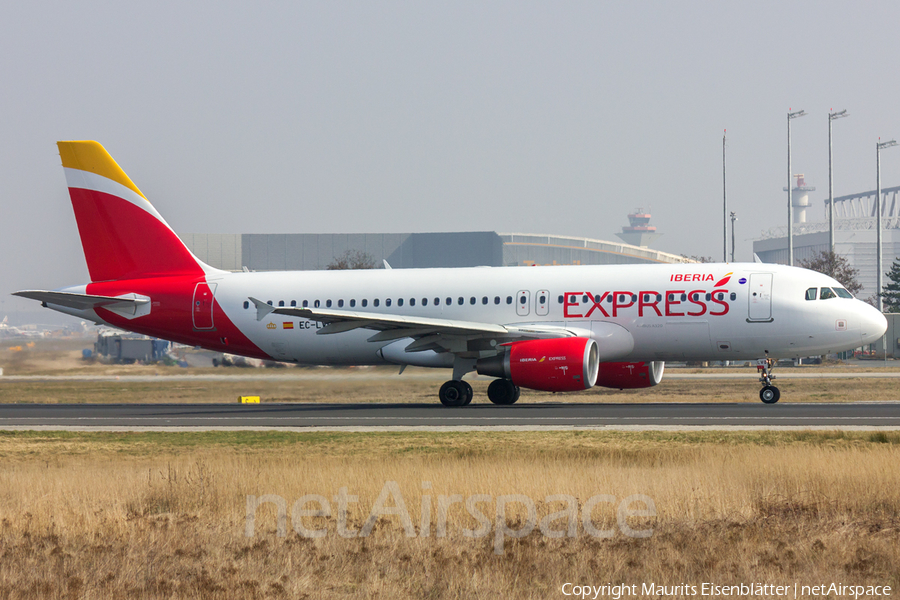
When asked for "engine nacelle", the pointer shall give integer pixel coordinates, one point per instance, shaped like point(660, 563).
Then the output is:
point(630, 375)
point(554, 365)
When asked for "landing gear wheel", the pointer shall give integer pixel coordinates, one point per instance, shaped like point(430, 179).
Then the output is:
point(454, 393)
point(769, 394)
point(469, 393)
point(503, 391)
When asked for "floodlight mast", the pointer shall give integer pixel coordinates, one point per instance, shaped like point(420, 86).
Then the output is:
point(878, 266)
point(832, 117)
point(725, 208)
point(790, 235)
point(733, 219)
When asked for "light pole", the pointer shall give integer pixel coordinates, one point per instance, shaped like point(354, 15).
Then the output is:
point(733, 219)
point(878, 147)
point(832, 117)
point(725, 208)
point(791, 115)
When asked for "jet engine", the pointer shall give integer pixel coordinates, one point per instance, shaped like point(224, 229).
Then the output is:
point(554, 365)
point(630, 375)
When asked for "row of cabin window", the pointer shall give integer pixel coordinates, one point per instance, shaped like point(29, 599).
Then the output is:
point(364, 303)
point(573, 299)
point(509, 300)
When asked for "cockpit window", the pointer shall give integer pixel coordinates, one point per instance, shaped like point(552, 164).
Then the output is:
point(843, 293)
point(826, 294)
point(811, 293)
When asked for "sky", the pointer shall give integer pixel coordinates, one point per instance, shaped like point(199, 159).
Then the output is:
point(534, 117)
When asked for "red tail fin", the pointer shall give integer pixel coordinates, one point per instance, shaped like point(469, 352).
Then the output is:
point(122, 234)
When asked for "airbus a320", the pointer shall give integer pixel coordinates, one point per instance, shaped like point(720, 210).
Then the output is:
point(559, 328)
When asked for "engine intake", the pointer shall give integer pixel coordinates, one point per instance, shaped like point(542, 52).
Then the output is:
point(554, 365)
point(630, 375)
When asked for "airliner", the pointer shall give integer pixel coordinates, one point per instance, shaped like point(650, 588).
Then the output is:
point(555, 328)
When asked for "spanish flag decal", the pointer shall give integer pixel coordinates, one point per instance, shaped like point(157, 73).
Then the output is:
point(287, 325)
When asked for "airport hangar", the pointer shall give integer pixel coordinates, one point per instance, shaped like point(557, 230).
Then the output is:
point(311, 251)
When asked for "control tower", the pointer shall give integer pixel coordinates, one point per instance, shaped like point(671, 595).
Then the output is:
point(640, 232)
point(800, 198)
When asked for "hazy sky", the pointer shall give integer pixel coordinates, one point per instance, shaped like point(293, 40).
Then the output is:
point(553, 117)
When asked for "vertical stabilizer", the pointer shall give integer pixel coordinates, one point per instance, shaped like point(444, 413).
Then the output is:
point(122, 234)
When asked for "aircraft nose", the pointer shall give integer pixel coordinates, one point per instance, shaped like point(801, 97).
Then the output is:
point(872, 323)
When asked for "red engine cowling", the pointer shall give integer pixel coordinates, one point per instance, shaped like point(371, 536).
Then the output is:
point(630, 375)
point(555, 365)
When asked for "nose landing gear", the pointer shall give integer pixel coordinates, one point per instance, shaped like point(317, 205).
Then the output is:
point(769, 394)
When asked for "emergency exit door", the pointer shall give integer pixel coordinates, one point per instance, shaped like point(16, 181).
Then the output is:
point(203, 306)
point(760, 295)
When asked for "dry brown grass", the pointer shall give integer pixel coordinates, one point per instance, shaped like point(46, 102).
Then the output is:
point(162, 516)
point(383, 386)
point(61, 357)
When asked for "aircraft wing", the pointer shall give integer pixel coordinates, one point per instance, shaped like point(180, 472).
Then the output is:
point(83, 301)
point(430, 332)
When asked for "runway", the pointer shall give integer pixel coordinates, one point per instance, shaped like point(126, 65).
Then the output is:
point(432, 417)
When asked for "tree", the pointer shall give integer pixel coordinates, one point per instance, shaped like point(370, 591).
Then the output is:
point(699, 259)
point(890, 293)
point(835, 266)
point(352, 259)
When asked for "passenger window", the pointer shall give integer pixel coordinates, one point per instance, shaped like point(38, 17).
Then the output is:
point(843, 293)
point(352, 303)
point(659, 297)
point(584, 298)
point(560, 299)
point(827, 294)
point(460, 300)
point(472, 300)
point(269, 302)
point(733, 296)
point(708, 297)
point(387, 302)
point(246, 305)
point(306, 304)
point(721, 296)
point(437, 301)
point(425, 302)
point(399, 301)
point(281, 303)
point(811, 293)
point(293, 303)
point(542, 299)
point(572, 300)
point(683, 297)
point(596, 297)
point(328, 304)
point(509, 299)
point(341, 303)
point(524, 300)
point(412, 301)
point(448, 301)
point(496, 299)
point(316, 303)
point(365, 302)
point(484, 299)
point(376, 302)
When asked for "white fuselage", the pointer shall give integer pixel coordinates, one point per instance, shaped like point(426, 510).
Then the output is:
point(761, 309)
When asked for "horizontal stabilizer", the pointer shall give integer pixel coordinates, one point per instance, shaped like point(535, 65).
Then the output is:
point(128, 304)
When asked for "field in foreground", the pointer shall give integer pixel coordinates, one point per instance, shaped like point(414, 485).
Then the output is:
point(165, 515)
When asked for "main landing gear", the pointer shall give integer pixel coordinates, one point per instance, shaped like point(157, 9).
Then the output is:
point(769, 394)
point(456, 393)
point(459, 393)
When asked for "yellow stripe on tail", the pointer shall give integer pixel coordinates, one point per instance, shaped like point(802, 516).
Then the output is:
point(90, 156)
